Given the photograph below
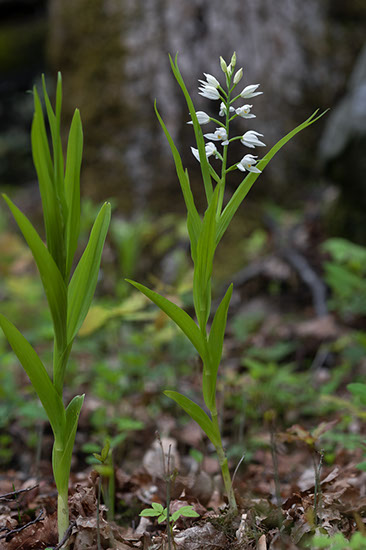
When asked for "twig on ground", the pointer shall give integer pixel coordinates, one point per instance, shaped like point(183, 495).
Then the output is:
point(64, 538)
point(18, 529)
point(13, 495)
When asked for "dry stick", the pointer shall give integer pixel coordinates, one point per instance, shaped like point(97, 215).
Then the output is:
point(14, 494)
point(167, 478)
point(317, 488)
point(98, 511)
point(64, 538)
point(18, 529)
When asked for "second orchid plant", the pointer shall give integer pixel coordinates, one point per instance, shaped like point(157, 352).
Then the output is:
point(207, 333)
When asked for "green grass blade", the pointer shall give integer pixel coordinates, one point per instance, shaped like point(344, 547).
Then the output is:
point(61, 455)
point(205, 169)
point(197, 414)
point(248, 182)
point(72, 188)
point(178, 315)
point(37, 374)
point(84, 280)
point(194, 221)
point(52, 280)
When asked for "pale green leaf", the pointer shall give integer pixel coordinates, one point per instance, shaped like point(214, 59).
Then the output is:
point(197, 414)
point(248, 182)
point(37, 374)
point(204, 164)
point(52, 280)
point(178, 315)
point(72, 188)
point(84, 280)
point(62, 449)
point(194, 221)
point(52, 214)
point(206, 246)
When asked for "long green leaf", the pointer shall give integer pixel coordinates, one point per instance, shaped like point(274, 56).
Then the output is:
point(197, 414)
point(84, 280)
point(206, 246)
point(72, 188)
point(194, 221)
point(215, 345)
point(178, 315)
point(43, 164)
point(37, 374)
point(205, 169)
point(61, 455)
point(248, 182)
point(55, 127)
point(52, 280)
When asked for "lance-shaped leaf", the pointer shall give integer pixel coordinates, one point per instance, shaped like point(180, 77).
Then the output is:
point(55, 127)
point(72, 188)
point(215, 344)
point(193, 221)
point(205, 168)
point(52, 214)
point(197, 414)
point(37, 374)
point(84, 280)
point(206, 246)
point(62, 449)
point(52, 280)
point(178, 315)
point(248, 182)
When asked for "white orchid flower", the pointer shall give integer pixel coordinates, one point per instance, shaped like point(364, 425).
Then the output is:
point(247, 163)
point(211, 81)
point(250, 139)
point(210, 149)
point(209, 91)
point(250, 91)
point(219, 135)
point(244, 111)
point(223, 109)
point(202, 118)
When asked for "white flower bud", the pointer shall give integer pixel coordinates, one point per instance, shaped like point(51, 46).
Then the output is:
point(233, 60)
point(238, 76)
point(223, 65)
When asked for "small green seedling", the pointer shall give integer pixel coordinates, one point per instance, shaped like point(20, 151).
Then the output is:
point(69, 295)
point(207, 334)
point(157, 510)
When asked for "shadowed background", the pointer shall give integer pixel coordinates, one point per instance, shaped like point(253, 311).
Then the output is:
point(113, 55)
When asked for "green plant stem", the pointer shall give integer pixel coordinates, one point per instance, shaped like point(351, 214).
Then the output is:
point(98, 511)
point(224, 467)
point(62, 513)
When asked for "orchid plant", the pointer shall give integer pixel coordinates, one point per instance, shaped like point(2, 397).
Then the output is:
point(207, 333)
point(69, 296)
